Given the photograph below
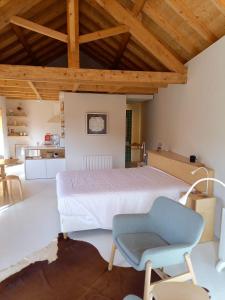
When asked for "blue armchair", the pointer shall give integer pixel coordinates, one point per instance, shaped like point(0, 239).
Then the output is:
point(163, 237)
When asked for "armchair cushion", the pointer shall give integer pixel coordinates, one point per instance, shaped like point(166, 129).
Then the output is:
point(163, 236)
point(135, 244)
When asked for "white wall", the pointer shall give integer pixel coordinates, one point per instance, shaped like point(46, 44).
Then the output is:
point(38, 114)
point(78, 143)
point(190, 119)
point(4, 140)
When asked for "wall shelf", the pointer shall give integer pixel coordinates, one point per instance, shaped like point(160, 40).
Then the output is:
point(16, 125)
point(17, 135)
point(17, 116)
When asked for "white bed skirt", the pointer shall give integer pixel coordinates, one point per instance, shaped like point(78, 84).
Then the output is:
point(76, 223)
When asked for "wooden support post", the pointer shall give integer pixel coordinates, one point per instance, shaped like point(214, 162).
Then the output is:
point(73, 33)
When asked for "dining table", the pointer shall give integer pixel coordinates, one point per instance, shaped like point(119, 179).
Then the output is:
point(8, 162)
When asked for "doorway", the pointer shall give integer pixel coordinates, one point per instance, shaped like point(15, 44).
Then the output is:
point(128, 137)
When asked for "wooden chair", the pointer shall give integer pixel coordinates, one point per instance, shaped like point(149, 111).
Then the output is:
point(9, 179)
point(163, 237)
point(4, 188)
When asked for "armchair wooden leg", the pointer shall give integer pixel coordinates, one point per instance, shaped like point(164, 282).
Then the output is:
point(20, 190)
point(110, 266)
point(9, 187)
point(190, 267)
point(147, 288)
point(65, 235)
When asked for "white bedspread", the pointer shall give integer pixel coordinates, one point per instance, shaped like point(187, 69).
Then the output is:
point(96, 196)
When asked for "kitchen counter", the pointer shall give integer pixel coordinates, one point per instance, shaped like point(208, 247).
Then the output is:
point(40, 162)
point(44, 147)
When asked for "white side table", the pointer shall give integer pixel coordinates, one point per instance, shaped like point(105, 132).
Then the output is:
point(179, 291)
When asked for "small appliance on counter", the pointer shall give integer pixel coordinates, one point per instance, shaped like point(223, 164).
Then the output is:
point(52, 139)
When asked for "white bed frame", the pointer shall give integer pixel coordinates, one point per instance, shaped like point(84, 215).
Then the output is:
point(169, 162)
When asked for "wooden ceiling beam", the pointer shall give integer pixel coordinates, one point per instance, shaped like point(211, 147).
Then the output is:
point(50, 48)
point(30, 98)
point(12, 8)
point(52, 55)
point(69, 86)
point(15, 58)
point(82, 76)
point(73, 33)
point(3, 2)
point(149, 59)
point(12, 83)
point(158, 18)
point(54, 85)
point(107, 48)
point(137, 7)
point(11, 51)
point(131, 90)
point(15, 20)
point(33, 87)
point(58, 24)
point(47, 12)
point(94, 55)
point(97, 13)
point(102, 34)
point(143, 35)
point(39, 29)
point(119, 90)
point(18, 93)
point(186, 14)
point(16, 89)
point(18, 32)
point(111, 46)
point(220, 4)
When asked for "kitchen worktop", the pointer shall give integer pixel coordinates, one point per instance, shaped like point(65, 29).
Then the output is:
point(44, 147)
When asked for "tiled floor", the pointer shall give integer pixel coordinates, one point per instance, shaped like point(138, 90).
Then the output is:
point(30, 225)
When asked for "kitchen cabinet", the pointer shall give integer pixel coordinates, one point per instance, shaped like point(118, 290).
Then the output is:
point(43, 168)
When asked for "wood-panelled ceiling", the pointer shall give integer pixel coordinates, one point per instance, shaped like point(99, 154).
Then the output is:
point(184, 27)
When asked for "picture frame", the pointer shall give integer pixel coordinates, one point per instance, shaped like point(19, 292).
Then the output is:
point(96, 123)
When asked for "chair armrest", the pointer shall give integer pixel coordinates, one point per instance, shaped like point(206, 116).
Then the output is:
point(165, 256)
point(130, 223)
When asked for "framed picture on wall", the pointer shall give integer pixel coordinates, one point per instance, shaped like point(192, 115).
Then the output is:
point(96, 123)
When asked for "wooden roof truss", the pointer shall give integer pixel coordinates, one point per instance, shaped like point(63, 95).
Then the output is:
point(129, 34)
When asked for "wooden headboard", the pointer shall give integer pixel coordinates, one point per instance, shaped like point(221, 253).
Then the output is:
point(180, 167)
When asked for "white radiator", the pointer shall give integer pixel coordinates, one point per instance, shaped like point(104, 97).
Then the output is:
point(97, 162)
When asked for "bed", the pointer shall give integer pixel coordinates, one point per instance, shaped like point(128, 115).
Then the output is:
point(90, 199)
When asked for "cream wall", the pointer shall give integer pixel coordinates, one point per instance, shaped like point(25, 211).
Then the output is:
point(78, 143)
point(38, 115)
point(190, 119)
